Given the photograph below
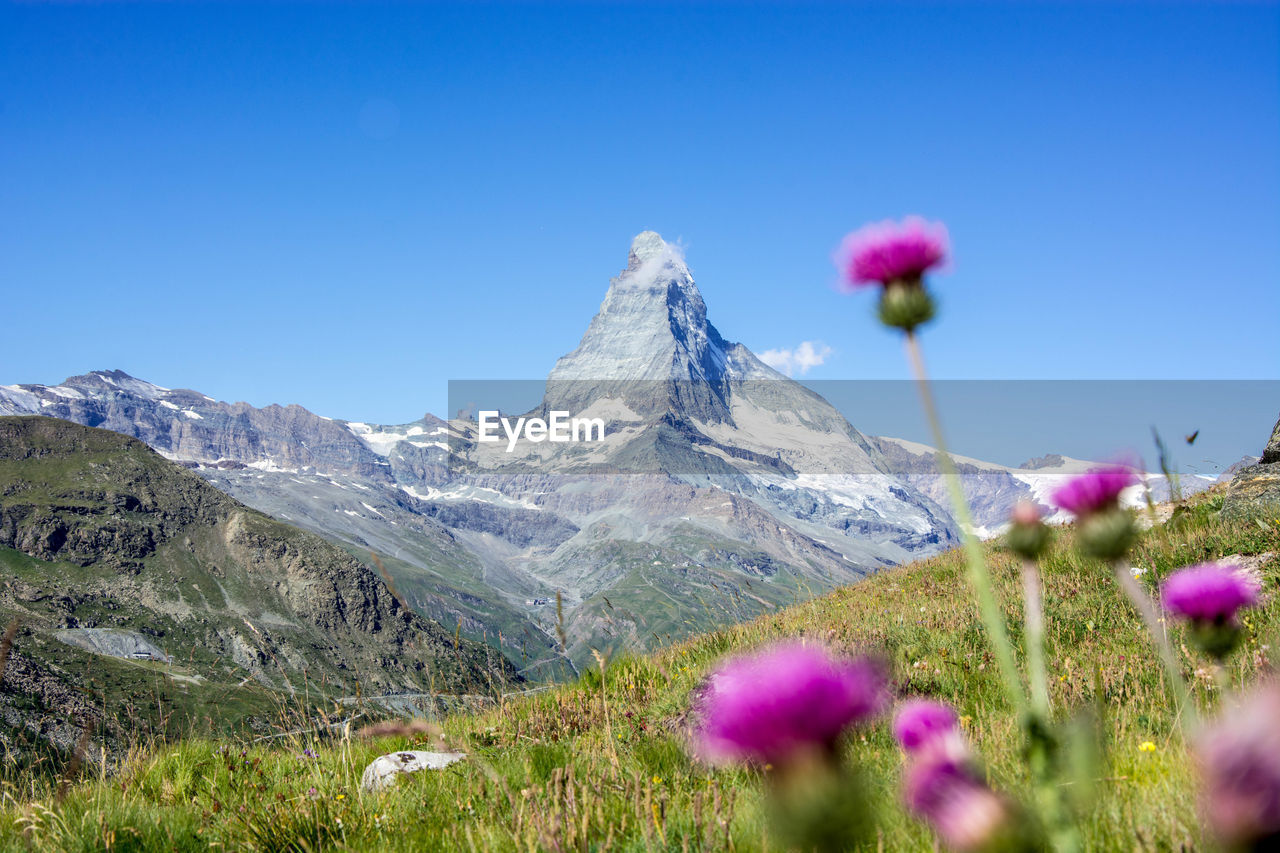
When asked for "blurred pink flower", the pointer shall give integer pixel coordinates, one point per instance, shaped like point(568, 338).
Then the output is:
point(1208, 593)
point(1240, 765)
point(1027, 512)
point(948, 793)
point(890, 251)
point(784, 700)
point(1094, 490)
point(920, 723)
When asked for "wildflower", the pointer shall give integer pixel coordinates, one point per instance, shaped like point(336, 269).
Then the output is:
point(1209, 596)
point(947, 792)
point(784, 701)
point(1240, 764)
point(1147, 746)
point(1210, 592)
point(896, 256)
point(889, 252)
point(920, 722)
point(1106, 530)
point(1094, 491)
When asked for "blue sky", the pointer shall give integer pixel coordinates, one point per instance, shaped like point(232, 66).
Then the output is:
point(347, 206)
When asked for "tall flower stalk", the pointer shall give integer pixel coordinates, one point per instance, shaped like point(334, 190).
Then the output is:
point(979, 577)
point(895, 257)
point(1029, 537)
point(1239, 758)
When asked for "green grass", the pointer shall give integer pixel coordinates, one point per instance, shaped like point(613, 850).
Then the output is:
point(600, 765)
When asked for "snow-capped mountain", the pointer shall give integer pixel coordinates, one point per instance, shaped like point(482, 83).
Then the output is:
point(721, 489)
point(187, 425)
point(709, 454)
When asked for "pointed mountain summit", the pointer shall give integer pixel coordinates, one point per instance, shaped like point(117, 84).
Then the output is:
point(650, 344)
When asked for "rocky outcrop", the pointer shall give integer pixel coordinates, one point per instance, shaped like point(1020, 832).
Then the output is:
point(1271, 453)
point(386, 770)
point(1256, 488)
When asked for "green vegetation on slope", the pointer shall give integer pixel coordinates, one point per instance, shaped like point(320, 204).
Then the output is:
point(600, 764)
point(97, 531)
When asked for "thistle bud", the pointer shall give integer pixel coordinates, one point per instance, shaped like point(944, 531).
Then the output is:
point(1108, 534)
point(1028, 536)
point(905, 305)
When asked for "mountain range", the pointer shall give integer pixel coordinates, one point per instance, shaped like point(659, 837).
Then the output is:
point(721, 489)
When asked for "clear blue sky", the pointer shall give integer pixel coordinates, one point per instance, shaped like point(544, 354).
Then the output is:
point(347, 206)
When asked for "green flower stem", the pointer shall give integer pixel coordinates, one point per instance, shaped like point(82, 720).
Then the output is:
point(1043, 749)
point(1223, 680)
point(1033, 603)
point(1173, 670)
point(979, 578)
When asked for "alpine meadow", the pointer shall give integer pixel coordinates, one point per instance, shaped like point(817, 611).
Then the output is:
point(956, 530)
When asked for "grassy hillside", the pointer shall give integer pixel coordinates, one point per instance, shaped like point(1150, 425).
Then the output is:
point(600, 764)
point(103, 541)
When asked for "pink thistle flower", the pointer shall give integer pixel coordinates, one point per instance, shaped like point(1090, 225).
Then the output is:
point(785, 700)
point(948, 793)
point(921, 723)
point(1209, 593)
point(889, 251)
point(1094, 490)
point(1240, 764)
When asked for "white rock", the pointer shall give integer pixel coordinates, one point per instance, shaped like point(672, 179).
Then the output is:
point(385, 770)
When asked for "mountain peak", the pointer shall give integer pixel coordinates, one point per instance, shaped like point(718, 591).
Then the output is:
point(646, 246)
point(651, 324)
point(652, 327)
point(112, 381)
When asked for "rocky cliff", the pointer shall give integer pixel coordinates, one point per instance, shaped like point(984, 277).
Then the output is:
point(1256, 488)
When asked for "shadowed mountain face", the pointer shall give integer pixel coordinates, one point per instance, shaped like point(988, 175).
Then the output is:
point(722, 489)
point(117, 560)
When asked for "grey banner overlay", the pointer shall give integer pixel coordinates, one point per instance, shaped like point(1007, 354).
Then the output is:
point(678, 428)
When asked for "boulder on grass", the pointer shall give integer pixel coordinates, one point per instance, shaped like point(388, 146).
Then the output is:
point(385, 770)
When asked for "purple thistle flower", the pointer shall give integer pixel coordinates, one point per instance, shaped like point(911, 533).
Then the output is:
point(1094, 490)
point(920, 723)
point(1240, 765)
point(1210, 593)
point(785, 700)
point(946, 791)
point(889, 251)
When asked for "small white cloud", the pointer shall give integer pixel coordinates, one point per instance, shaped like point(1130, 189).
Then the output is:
point(807, 355)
